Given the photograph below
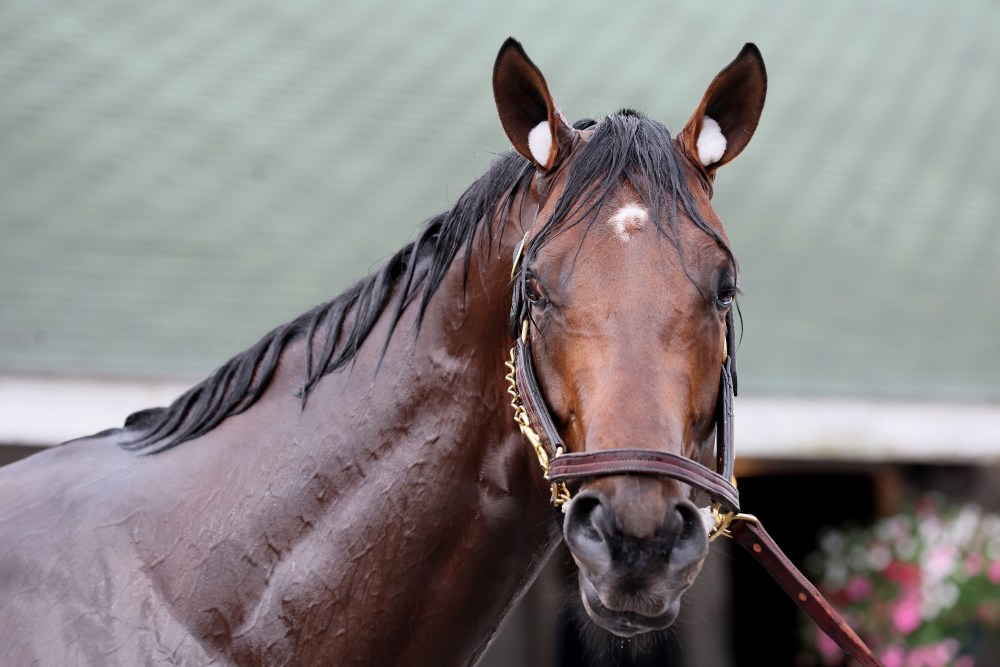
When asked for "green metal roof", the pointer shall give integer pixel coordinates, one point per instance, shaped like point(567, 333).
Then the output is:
point(177, 178)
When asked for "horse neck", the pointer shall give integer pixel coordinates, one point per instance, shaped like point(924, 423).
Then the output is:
point(446, 520)
point(408, 493)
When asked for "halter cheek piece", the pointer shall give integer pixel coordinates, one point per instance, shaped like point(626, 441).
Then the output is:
point(561, 467)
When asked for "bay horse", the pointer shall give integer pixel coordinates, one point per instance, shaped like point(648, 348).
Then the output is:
point(353, 489)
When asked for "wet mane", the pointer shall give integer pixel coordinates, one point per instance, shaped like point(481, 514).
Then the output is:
point(338, 327)
point(625, 147)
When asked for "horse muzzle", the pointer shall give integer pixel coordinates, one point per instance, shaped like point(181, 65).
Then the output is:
point(636, 553)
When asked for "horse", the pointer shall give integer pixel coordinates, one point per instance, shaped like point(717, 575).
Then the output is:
point(354, 488)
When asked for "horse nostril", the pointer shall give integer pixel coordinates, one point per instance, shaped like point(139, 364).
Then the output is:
point(589, 516)
point(587, 527)
point(691, 534)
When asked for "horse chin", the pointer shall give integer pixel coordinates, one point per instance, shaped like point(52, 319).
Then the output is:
point(628, 622)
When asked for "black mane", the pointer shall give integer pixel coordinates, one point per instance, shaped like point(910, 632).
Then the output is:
point(624, 146)
point(338, 327)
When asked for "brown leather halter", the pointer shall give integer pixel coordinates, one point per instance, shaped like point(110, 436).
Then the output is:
point(561, 467)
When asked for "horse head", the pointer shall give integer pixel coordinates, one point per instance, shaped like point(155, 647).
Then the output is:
point(624, 289)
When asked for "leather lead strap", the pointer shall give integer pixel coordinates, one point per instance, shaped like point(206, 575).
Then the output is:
point(751, 536)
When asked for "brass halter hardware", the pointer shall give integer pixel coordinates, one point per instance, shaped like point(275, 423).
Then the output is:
point(560, 492)
point(723, 520)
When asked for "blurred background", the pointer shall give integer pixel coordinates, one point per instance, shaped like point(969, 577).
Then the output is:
point(178, 178)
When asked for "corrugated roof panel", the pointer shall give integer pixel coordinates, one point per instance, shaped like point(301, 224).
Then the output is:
point(176, 179)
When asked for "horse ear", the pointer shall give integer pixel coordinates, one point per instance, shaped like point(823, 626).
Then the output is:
point(725, 120)
point(533, 123)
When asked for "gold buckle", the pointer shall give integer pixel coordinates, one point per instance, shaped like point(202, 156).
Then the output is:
point(560, 495)
point(723, 521)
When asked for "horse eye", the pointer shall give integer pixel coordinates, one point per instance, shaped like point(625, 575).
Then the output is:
point(533, 291)
point(725, 298)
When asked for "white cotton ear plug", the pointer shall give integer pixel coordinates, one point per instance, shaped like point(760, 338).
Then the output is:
point(540, 142)
point(711, 142)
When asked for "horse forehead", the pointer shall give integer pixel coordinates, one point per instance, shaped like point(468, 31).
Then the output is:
point(628, 221)
point(636, 235)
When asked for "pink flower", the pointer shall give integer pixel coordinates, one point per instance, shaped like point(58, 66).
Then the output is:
point(893, 657)
point(942, 559)
point(973, 564)
point(858, 588)
point(993, 573)
point(965, 661)
point(907, 574)
point(828, 648)
point(929, 655)
point(906, 615)
point(937, 655)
